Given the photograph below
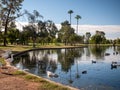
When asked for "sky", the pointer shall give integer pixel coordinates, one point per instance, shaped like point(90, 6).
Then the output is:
point(94, 12)
point(103, 15)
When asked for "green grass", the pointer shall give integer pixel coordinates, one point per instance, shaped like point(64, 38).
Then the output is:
point(15, 48)
point(51, 86)
point(45, 84)
point(18, 72)
point(2, 61)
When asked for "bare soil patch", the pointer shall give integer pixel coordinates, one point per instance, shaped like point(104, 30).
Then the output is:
point(8, 81)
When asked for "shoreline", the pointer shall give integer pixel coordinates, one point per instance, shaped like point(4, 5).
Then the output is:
point(56, 83)
point(47, 48)
point(43, 48)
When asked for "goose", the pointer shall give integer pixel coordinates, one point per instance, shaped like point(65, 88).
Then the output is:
point(51, 74)
point(5, 55)
point(26, 69)
point(11, 58)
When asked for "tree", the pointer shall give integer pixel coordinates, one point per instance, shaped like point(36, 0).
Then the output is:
point(33, 19)
point(8, 11)
point(51, 29)
point(77, 18)
point(88, 35)
point(13, 33)
point(1, 36)
point(65, 32)
point(98, 38)
point(118, 41)
point(29, 32)
point(70, 12)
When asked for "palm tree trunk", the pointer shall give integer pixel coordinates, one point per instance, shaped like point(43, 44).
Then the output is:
point(77, 26)
point(70, 19)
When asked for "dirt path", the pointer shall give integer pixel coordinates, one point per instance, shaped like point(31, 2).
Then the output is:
point(8, 81)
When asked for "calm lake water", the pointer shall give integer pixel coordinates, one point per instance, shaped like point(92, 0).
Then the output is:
point(74, 67)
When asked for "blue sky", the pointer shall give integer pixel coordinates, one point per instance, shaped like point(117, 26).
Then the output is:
point(102, 15)
point(93, 12)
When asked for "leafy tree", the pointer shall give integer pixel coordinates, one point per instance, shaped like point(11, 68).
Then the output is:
point(33, 18)
point(65, 32)
point(8, 10)
point(47, 31)
point(51, 29)
point(98, 38)
point(77, 18)
point(30, 33)
point(13, 33)
point(87, 36)
point(118, 41)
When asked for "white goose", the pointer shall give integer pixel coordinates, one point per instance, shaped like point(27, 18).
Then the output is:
point(10, 59)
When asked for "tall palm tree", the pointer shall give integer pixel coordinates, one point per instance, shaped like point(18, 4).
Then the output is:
point(78, 17)
point(70, 12)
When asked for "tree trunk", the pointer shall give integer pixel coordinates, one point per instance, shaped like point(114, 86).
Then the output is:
point(6, 24)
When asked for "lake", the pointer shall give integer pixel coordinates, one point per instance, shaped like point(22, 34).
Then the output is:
point(86, 68)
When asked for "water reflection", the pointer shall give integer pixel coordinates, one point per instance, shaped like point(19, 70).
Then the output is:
point(98, 51)
point(69, 64)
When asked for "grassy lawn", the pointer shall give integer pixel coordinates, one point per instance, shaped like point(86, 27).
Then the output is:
point(2, 61)
point(18, 48)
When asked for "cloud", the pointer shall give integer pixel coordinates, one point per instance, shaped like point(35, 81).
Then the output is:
point(111, 31)
point(20, 25)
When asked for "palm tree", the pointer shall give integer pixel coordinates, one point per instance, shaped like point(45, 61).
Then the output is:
point(78, 17)
point(70, 12)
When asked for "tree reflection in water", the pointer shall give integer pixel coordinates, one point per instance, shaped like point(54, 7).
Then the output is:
point(98, 51)
point(37, 59)
point(67, 59)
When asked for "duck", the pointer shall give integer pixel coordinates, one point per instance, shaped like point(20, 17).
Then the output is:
point(116, 53)
point(107, 54)
point(93, 61)
point(114, 62)
point(84, 72)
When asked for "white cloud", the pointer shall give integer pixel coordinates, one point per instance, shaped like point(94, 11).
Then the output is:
point(111, 31)
point(20, 25)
